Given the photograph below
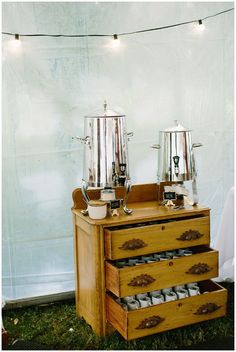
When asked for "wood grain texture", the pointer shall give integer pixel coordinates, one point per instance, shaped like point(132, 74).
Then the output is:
point(138, 193)
point(76, 262)
point(178, 229)
point(90, 280)
point(172, 314)
point(165, 273)
point(156, 237)
point(143, 212)
point(117, 316)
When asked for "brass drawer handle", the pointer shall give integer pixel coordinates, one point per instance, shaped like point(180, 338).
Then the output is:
point(190, 235)
point(207, 308)
point(150, 322)
point(142, 280)
point(133, 244)
point(199, 269)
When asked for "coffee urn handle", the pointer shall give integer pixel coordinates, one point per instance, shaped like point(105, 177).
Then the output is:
point(196, 145)
point(156, 146)
point(130, 135)
point(84, 140)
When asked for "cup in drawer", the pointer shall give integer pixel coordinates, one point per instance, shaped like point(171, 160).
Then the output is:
point(126, 281)
point(133, 241)
point(168, 315)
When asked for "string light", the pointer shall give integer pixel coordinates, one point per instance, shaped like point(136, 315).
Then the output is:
point(16, 42)
point(115, 42)
point(201, 27)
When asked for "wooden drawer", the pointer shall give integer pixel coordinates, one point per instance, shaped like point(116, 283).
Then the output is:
point(168, 315)
point(133, 241)
point(202, 265)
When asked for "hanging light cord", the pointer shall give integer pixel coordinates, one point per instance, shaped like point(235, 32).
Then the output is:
point(118, 34)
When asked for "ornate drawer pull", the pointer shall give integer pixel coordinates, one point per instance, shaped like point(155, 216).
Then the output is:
point(142, 280)
point(190, 235)
point(133, 244)
point(199, 269)
point(207, 308)
point(150, 322)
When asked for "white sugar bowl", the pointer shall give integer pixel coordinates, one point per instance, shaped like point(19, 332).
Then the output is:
point(97, 209)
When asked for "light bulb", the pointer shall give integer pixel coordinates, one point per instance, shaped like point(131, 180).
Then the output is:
point(200, 26)
point(16, 43)
point(115, 42)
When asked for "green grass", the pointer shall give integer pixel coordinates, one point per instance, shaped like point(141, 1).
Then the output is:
point(50, 325)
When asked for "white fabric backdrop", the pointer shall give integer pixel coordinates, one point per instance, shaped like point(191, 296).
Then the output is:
point(225, 240)
point(49, 84)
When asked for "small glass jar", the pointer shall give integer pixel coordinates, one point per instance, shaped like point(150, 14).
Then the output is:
point(179, 202)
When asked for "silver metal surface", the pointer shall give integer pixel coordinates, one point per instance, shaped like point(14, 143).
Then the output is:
point(105, 149)
point(85, 195)
point(127, 188)
point(176, 159)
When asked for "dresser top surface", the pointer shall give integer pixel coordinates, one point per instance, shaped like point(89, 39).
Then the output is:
point(144, 211)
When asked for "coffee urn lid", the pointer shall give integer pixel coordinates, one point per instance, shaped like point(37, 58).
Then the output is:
point(106, 112)
point(177, 128)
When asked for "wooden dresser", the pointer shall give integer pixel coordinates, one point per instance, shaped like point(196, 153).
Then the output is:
point(151, 228)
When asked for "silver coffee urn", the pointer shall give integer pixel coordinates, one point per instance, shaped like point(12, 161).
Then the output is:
point(176, 161)
point(105, 164)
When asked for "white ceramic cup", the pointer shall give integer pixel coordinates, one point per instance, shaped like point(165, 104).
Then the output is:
point(120, 263)
point(182, 293)
point(187, 253)
point(177, 256)
point(124, 306)
point(157, 299)
point(133, 305)
point(97, 209)
point(127, 299)
point(146, 257)
point(171, 296)
point(157, 256)
point(154, 293)
point(128, 265)
point(170, 253)
point(152, 260)
point(108, 194)
point(145, 302)
point(140, 262)
point(191, 284)
point(132, 261)
point(141, 295)
point(164, 257)
point(179, 287)
point(193, 291)
point(167, 290)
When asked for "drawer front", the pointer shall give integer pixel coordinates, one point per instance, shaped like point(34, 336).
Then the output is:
point(168, 315)
point(124, 243)
point(154, 276)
